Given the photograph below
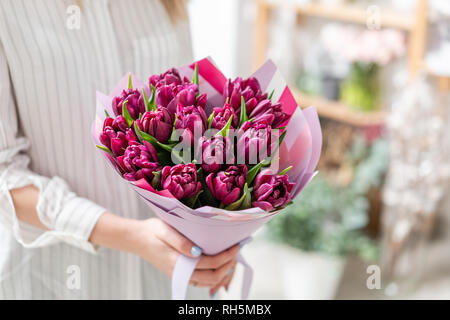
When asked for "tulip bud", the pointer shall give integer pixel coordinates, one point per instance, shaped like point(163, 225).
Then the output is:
point(181, 180)
point(156, 123)
point(271, 191)
point(222, 115)
point(170, 77)
point(267, 111)
point(114, 138)
point(215, 152)
point(254, 142)
point(191, 118)
point(248, 88)
point(139, 161)
point(135, 104)
point(169, 96)
point(226, 186)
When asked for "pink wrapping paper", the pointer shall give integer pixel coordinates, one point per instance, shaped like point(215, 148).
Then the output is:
point(214, 229)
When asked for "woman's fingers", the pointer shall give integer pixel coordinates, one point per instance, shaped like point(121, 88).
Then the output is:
point(225, 281)
point(210, 277)
point(177, 241)
point(211, 269)
point(218, 260)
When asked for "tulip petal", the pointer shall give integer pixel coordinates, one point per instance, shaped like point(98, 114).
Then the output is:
point(266, 206)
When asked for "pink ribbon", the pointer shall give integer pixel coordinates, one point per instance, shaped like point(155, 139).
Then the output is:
point(185, 266)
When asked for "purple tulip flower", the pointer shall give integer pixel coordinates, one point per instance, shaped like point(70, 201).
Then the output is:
point(170, 77)
point(248, 88)
point(139, 161)
point(265, 110)
point(191, 118)
point(215, 152)
point(254, 142)
point(222, 115)
point(181, 180)
point(226, 186)
point(116, 135)
point(271, 191)
point(157, 123)
point(170, 90)
point(135, 104)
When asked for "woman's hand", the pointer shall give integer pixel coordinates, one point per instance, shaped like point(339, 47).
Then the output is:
point(151, 239)
point(161, 245)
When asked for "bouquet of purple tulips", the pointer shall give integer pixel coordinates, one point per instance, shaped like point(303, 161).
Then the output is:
point(215, 158)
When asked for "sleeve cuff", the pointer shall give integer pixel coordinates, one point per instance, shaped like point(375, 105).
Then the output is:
point(69, 218)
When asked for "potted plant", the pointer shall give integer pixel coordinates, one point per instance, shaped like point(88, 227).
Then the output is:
point(302, 253)
point(366, 51)
point(321, 228)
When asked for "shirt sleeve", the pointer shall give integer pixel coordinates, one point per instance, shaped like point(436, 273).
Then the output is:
point(68, 217)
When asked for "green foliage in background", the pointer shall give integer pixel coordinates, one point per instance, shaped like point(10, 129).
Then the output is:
point(360, 89)
point(329, 219)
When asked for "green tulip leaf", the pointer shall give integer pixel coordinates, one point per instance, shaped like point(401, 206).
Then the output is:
point(224, 131)
point(251, 174)
point(206, 197)
point(238, 203)
point(271, 95)
point(195, 77)
point(126, 114)
point(164, 158)
point(210, 119)
point(143, 136)
point(107, 114)
point(146, 102)
point(130, 85)
point(190, 202)
point(247, 203)
point(280, 140)
point(243, 117)
point(156, 181)
point(173, 136)
point(153, 99)
point(105, 149)
point(285, 171)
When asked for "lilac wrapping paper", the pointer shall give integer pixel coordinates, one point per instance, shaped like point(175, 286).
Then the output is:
point(214, 229)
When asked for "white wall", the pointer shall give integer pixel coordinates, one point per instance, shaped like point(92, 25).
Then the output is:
point(214, 25)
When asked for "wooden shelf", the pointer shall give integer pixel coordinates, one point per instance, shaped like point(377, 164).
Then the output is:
point(349, 13)
point(340, 112)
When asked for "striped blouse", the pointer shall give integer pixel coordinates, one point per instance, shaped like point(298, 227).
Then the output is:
point(54, 55)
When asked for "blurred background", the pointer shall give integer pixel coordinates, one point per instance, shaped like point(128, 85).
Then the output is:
point(374, 223)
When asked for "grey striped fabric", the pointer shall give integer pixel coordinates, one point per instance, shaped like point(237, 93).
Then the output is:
point(49, 72)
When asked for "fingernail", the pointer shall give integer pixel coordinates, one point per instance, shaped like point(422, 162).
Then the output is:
point(213, 295)
point(226, 288)
point(230, 271)
point(196, 251)
point(242, 244)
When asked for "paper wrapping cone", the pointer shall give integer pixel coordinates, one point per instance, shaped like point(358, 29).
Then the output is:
point(214, 229)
